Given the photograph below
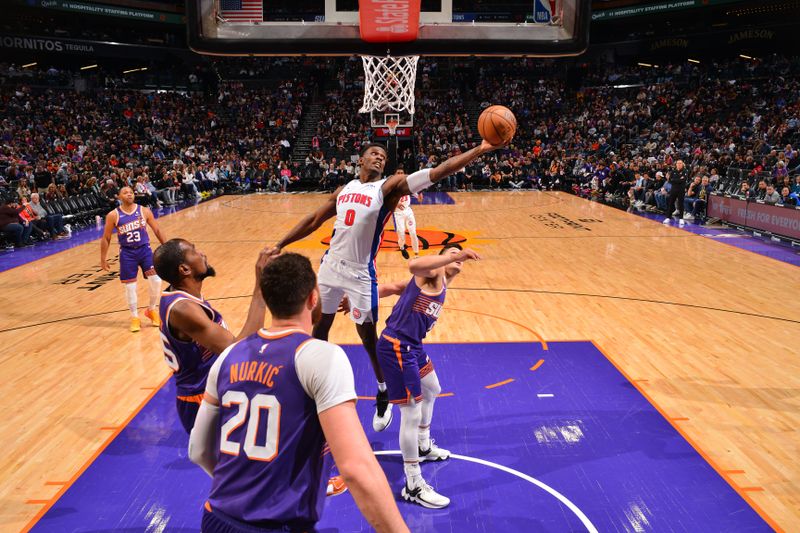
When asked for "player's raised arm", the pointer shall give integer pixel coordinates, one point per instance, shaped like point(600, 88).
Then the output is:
point(427, 267)
point(391, 289)
point(151, 221)
point(105, 240)
point(311, 222)
point(400, 184)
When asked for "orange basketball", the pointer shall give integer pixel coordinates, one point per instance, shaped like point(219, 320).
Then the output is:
point(497, 124)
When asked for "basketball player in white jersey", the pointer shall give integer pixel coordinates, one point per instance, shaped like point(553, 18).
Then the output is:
point(404, 219)
point(362, 207)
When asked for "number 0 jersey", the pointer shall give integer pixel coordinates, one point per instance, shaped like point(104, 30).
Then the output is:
point(189, 361)
point(274, 461)
point(360, 218)
point(132, 228)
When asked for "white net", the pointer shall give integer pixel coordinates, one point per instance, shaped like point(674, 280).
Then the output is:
point(389, 83)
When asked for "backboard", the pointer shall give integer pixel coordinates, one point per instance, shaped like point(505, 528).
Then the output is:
point(537, 28)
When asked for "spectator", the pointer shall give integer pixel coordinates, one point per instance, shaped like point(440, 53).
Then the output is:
point(13, 226)
point(788, 198)
point(53, 223)
point(772, 196)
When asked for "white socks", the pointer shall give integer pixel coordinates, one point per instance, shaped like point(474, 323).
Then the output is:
point(130, 295)
point(155, 289)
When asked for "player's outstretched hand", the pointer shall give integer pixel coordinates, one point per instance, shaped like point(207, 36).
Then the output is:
point(468, 254)
point(264, 257)
point(105, 266)
point(486, 147)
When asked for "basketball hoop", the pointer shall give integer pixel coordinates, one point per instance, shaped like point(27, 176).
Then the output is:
point(389, 84)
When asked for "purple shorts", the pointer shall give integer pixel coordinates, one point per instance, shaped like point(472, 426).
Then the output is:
point(131, 259)
point(403, 368)
point(187, 412)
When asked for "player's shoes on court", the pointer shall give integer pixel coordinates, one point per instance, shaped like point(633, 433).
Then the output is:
point(383, 412)
point(336, 486)
point(404, 252)
point(424, 495)
point(152, 314)
point(136, 324)
point(434, 453)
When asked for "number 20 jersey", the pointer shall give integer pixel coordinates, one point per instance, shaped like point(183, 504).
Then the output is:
point(274, 461)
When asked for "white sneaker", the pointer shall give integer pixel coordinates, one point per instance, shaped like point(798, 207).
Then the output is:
point(681, 222)
point(666, 221)
point(425, 496)
point(434, 453)
point(688, 216)
point(676, 213)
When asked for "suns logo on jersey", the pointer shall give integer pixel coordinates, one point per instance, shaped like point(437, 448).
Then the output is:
point(425, 305)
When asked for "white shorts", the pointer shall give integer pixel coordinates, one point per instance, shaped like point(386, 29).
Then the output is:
point(337, 278)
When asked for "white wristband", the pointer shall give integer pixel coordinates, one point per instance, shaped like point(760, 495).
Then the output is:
point(419, 180)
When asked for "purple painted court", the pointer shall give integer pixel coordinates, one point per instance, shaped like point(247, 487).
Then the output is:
point(566, 444)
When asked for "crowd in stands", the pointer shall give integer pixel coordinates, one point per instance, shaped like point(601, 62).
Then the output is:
point(729, 122)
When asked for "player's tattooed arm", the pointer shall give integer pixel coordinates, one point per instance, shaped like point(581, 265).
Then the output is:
point(151, 221)
point(310, 223)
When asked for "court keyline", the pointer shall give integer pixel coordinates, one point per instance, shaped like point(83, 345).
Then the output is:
point(671, 420)
point(477, 289)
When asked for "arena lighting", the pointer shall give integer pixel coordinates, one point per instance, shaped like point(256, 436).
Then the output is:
point(644, 64)
point(87, 67)
point(30, 65)
point(693, 61)
point(744, 56)
point(134, 70)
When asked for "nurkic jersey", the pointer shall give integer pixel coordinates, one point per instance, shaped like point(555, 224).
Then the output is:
point(414, 314)
point(274, 461)
point(132, 228)
point(189, 361)
point(360, 218)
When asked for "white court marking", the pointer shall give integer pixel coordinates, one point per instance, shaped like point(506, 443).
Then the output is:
point(547, 488)
point(545, 395)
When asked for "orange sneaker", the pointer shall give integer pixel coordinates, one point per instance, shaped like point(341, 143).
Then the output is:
point(336, 486)
point(152, 314)
point(136, 324)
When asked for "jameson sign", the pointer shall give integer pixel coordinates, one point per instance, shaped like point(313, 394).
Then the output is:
point(110, 11)
point(663, 7)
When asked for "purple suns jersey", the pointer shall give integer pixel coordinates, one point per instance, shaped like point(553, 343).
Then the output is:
point(188, 360)
point(414, 314)
point(274, 461)
point(132, 228)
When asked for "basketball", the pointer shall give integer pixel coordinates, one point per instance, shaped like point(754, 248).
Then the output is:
point(497, 124)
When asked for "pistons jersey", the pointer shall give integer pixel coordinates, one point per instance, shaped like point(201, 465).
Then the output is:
point(360, 218)
point(414, 314)
point(132, 228)
point(189, 361)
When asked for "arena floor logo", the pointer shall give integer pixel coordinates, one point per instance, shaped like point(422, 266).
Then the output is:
point(428, 238)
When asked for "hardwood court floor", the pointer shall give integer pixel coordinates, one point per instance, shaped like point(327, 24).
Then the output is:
point(707, 331)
